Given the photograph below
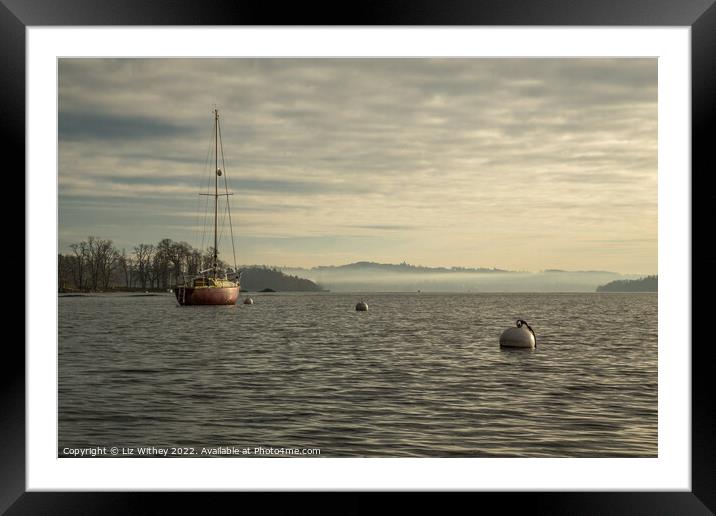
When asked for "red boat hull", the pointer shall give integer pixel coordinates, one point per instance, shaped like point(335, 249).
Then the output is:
point(187, 296)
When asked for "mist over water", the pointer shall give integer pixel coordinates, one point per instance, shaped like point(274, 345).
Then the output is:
point(339, 279)
point(418, 375)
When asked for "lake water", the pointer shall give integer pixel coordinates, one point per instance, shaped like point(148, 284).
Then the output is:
point(418, 375)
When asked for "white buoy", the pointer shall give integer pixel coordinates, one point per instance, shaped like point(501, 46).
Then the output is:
point(520, 336)
point(248, 301)
point(362, 306)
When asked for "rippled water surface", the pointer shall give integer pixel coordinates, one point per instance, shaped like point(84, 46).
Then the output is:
point(418, 375)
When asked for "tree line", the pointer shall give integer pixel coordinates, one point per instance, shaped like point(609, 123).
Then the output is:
point(96, 264)
point(646, 284)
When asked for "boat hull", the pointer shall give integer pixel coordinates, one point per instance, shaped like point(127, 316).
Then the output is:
point(188, 296)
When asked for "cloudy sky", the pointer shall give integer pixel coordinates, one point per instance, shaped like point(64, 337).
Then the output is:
point(523, 164)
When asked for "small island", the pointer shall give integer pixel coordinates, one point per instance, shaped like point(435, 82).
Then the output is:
point(646, 284)
point(268, 279)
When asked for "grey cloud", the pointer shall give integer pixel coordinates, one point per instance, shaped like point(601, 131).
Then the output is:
point(422, 143)
point(89, 126)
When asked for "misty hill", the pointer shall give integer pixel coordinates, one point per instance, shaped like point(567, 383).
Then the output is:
point(400, 267)
point(256, 278)
point(647, 284)
point(403, 277)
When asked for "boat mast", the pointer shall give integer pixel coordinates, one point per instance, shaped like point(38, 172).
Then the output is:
point(216, 184)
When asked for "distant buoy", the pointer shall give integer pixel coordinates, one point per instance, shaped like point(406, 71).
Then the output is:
point(521, 336)
point(362, 306)
point(248, 301)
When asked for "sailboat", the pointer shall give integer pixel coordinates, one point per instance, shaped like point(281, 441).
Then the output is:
point(212, 286)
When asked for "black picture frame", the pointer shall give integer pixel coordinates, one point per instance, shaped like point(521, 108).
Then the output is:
point(699, 15)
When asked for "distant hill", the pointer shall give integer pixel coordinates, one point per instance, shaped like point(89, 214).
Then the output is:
point(259, 278)
point(368, 276)
point(553, 271)
point(646, 284)
point(399, 267)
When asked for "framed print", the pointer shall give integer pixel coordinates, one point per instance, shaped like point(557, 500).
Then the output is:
point(409, 182)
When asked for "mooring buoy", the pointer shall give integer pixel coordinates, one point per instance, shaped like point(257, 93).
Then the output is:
point(248, 301)
point(362, 306)
point(520, 336)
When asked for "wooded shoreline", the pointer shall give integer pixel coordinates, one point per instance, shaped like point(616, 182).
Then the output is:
point(96, 265)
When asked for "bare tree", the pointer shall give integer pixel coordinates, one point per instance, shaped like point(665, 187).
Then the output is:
point(194, 264)
point(179, 253)
point(94, 262)
point(144, 256)
point(124, 263)
point(65, 270)
point(78, 272)
point(155, 270)
point(104, 260)
point(162, 261)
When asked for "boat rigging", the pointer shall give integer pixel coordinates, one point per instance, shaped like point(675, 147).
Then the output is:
point(210, 286)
